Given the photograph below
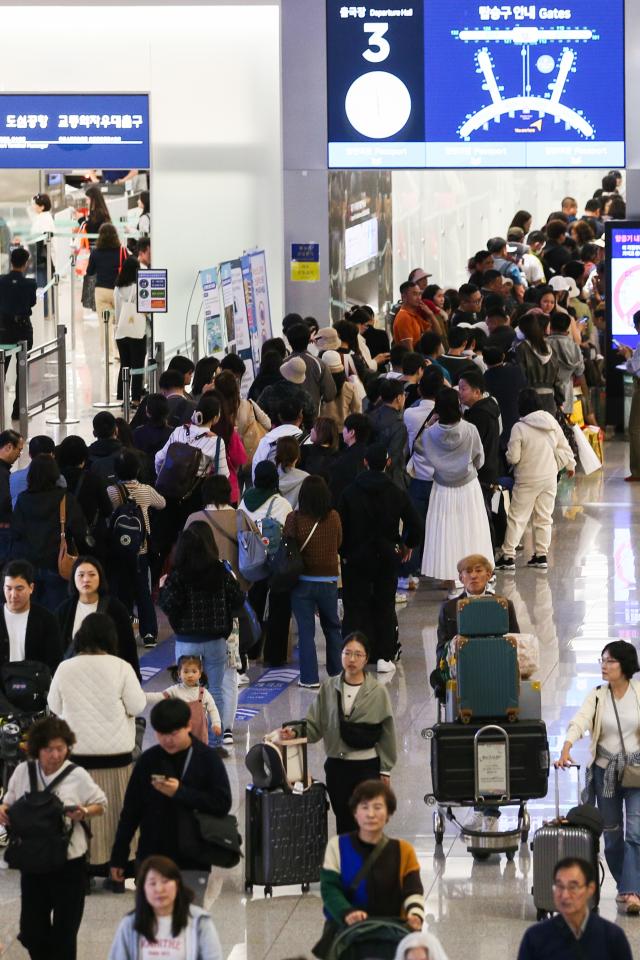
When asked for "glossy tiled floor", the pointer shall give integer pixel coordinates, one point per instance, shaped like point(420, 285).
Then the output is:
point(478, 910)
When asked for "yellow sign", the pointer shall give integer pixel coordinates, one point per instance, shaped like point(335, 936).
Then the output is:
point(305, 271)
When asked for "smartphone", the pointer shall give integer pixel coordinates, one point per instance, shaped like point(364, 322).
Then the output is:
point(158, 778)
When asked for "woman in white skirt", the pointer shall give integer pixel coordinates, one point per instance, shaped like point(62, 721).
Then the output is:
point(457, 521)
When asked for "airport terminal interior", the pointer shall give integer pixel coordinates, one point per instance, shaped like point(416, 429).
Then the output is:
point(289, 157)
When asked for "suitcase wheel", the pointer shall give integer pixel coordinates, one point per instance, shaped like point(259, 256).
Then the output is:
point(427, 733)
point(480, 855)
point(248, 887)
point(429, 799)
point(306, 887)
point(268, 890)
point(510, 855)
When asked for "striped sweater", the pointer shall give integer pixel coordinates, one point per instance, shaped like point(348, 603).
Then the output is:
point(392, 888)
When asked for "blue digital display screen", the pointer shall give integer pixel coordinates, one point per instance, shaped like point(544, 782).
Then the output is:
point(454, 85)
point(74, 131)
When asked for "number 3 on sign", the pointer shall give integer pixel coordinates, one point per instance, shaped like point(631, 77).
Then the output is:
point(381, 48)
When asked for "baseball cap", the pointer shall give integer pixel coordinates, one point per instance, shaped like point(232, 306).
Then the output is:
point(419, 274)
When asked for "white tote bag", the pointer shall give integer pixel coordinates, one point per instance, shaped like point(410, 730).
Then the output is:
point(528, 654)
point(589, 460)
point(130, 322)
point(353, 378)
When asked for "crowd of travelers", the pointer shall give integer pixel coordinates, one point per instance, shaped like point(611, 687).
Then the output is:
point(376, 458)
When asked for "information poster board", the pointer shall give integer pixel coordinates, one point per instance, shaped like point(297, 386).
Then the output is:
point(623, 280)
point(261, 296)
point(227, 305)
point(475, 84)
point(62, 131)
point(152, 291)
point(213, 330)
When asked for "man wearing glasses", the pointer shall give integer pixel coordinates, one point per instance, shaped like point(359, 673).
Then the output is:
point(576, 933)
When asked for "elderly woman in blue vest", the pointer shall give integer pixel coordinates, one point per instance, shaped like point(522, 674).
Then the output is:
point(611, 713)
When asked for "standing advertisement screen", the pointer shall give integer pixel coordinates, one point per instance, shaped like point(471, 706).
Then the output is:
point(472, 84)
point(623, 280)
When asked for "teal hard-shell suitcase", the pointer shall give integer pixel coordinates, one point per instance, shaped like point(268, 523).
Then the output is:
point(483, 616)
point(488, 678)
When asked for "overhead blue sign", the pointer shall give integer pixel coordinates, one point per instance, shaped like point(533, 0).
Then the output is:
point(74, 131)
point(473, 84)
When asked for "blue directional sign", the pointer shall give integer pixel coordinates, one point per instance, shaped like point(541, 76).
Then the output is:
point(476, 84)
point(74, 131)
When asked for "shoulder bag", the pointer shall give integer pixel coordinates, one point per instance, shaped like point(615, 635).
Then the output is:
point(205, 839)
point(287, 564)
point(630, 776)
point(66, 559)
point(130, 323)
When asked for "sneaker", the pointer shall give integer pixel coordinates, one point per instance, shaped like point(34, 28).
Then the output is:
point(404, 583)
point(243, 679)
point(398, 654)
point(149, 641)
point(490, 824)
point(385, 666)
point(308, 686)
point(633, 904)
point(222, 752)
point(401, 598)
point(540, 563)
point(506, 563)
point(414, 583)
point(227, 738)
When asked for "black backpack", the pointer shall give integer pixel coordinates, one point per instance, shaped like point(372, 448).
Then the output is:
point(38, 832)
point(127, 530)
point(25, 684)
point(180, 472)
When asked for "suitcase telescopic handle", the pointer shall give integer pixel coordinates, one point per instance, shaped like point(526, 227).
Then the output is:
point(557, 786)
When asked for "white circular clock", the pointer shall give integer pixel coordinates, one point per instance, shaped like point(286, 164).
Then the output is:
point(378, 104)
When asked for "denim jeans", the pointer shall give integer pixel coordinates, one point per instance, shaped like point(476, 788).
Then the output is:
point(621, 833)
point(419, 491)
point(229, 698)
point(307, 597)
point(214, 656)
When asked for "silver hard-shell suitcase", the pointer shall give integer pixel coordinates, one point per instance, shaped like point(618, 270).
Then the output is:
point(551, 843)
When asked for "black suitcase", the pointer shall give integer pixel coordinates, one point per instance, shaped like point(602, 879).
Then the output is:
point(453, 760)
point(285, 836)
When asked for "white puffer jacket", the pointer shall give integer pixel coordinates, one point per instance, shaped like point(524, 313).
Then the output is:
point(99, 696)
point(538, 448)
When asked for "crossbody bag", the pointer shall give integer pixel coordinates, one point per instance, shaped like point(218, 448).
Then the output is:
point(630, 776)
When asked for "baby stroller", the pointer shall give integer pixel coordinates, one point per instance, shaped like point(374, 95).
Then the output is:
point(374, 939)
point(24, 685)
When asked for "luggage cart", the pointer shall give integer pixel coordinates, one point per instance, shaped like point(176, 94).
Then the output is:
point(481, 844)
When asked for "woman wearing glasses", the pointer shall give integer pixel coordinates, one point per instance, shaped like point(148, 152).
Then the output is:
point(352, 716)
point(611, 713)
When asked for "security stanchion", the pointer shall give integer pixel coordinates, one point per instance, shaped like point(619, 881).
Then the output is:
point(126, 393)
point(22, 386)
point(62, 417)
point(48, 313)
point(159, 356)
point(195, 342)
point(72, 294)
point(107, 403)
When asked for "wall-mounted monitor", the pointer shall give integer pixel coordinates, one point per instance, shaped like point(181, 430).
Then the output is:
point(435, 84)
point(64, 131)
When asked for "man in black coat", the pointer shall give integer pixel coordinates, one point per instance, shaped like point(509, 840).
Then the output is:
point(181, 774)
point(380, 526)
point(17, 298)
point(484, 413)
point(350, 462)
point(27, 630)
point(11, 444)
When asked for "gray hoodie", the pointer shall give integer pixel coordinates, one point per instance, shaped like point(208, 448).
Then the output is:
point(455, 452)
point(202, 942)
point(570, 364)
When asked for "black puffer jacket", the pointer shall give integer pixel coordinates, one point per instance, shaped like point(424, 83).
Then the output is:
point(371, 510)
point(35, 527)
